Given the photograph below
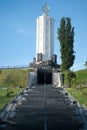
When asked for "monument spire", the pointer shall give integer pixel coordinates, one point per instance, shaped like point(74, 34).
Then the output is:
point(45, 9)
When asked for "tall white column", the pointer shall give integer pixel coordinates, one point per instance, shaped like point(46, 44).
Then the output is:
point(45, 36)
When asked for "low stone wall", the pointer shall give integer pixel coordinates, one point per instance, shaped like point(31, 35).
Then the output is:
point(57, 79)
point(32, 79)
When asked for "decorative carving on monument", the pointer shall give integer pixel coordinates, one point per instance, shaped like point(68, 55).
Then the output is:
point(45, 9)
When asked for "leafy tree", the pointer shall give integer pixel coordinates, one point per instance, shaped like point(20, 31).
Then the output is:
point(66, 38)
point(10, 81)
point(70, 78)
point(86, 64)
point(11, 85)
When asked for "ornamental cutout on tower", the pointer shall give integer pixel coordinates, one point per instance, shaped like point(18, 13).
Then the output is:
point(45, 9)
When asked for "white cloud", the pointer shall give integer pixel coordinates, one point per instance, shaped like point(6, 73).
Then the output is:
point(20, 30)
point(25, 32)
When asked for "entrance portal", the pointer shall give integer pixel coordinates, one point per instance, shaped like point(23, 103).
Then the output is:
point(44, 77)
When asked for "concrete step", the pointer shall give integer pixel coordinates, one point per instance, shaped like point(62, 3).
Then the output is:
point(45, 108)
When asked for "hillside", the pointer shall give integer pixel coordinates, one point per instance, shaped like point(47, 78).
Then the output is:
point(13, 77)
point(18, 77)
point(12, 81)
point(79, 92)
point(82, 76)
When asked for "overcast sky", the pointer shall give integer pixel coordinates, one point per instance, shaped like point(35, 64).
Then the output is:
point(18, 29)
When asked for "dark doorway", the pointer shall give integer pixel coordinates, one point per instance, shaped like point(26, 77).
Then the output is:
point(44, 76)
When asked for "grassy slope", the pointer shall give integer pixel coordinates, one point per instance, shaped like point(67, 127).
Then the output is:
point(82, 76)
point(80, 93)
point(19, 76)
point(4, 99)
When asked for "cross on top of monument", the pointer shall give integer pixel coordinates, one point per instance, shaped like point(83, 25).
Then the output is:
point(45, 9)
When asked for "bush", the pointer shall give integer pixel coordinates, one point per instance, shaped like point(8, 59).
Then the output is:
point(10, 91)
point(70, 78)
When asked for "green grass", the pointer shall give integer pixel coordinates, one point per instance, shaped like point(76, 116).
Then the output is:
point(19, 77)
point(79, 92)
point(4, 99)
point(79, 95)
point(15, 76)
point(82, 76)
point(11, 78)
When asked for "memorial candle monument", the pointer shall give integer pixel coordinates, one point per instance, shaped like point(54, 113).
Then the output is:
point(44, 36)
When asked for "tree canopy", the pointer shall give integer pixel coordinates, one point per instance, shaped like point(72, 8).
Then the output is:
point(66, 39)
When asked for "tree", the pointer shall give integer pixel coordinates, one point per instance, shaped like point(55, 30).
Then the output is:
point(70, 78)
point(11, 84)
point(86, 64)
point(66, 38)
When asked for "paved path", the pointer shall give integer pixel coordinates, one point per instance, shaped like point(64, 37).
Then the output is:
point(45, 108)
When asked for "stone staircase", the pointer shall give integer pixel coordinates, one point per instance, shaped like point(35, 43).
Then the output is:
point(45, 107)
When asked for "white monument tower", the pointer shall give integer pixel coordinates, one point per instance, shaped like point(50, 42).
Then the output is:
point(44, 36)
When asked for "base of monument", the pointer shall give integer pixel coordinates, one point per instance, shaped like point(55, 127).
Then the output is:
point(45, 72)
point(44, 63)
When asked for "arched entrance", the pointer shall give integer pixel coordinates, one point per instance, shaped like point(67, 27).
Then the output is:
point(44, 76)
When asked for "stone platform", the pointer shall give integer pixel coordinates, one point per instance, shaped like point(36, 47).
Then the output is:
point(45, 107)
